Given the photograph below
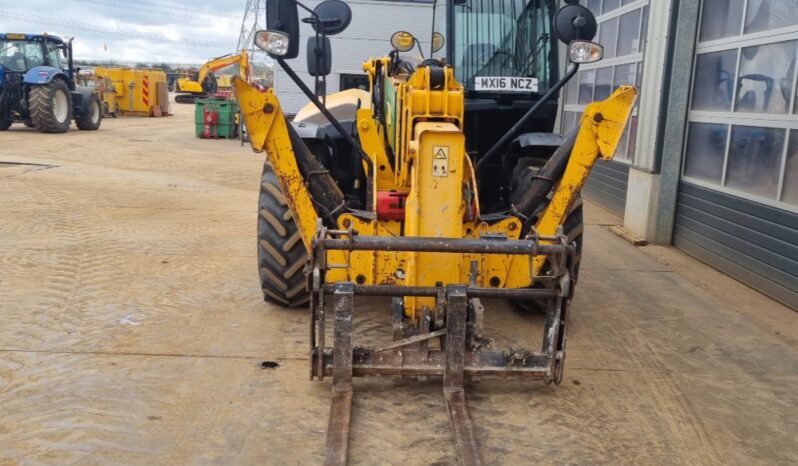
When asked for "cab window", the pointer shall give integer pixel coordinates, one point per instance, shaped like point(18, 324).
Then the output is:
point(53, 55)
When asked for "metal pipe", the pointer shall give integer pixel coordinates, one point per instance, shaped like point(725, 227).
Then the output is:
point(433, 244)
point(472, 292)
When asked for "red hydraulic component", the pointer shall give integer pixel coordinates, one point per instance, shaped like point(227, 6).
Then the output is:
point(210, 117)
point(391, 205)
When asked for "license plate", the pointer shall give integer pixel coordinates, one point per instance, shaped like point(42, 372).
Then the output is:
point(505, 84)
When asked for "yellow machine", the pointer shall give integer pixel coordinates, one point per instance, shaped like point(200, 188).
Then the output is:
point(440, 186)
point(103, 88)
point(206, 83)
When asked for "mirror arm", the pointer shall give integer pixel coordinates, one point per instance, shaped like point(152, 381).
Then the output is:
point(518, 127)
point(336, 124)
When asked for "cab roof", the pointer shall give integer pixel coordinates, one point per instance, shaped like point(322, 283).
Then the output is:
point(22, 36)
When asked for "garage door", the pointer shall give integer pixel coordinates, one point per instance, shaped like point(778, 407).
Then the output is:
point(738, 203)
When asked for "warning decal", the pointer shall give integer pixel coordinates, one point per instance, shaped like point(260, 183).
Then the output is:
point(440, 160)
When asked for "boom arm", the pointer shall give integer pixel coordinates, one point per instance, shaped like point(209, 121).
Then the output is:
point(218, 63)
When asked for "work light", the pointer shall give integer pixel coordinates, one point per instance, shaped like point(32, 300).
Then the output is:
point(274, 42)
point(583, 51)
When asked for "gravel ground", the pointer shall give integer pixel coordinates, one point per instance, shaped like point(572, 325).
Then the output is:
point(133, 331)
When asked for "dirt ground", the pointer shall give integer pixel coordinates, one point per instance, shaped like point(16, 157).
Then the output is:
point(132, 331)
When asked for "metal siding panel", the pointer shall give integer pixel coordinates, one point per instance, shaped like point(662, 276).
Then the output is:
point(777, 231)
point(753, 209)
point(683, 239)
point(607, 185)
point(758, 259)
point(749, 241)
point(607, 201)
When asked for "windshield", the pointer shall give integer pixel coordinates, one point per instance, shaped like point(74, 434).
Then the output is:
point(20, 55)
point(503, 38)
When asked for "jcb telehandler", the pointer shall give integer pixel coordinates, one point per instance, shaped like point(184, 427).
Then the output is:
point(441, 185)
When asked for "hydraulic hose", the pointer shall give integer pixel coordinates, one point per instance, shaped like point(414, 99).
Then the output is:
point(548, 175)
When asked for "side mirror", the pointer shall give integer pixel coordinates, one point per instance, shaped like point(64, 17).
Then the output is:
point(437, 41)
point(319, 56)
point(281, 39)
point(333, 17)
point(575, 22)
point(403, 41)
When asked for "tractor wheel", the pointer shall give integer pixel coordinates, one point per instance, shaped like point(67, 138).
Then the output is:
point(91, 118)
point(281, 252)
point(50, 107)
point(5, 123)
point(28, 123)
point(523, 174)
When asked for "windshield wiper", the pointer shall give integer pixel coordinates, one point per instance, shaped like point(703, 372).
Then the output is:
point(535, 52)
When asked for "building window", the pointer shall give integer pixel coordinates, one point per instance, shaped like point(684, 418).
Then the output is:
point(622, 32)
point(353, 81)
point(742, 136)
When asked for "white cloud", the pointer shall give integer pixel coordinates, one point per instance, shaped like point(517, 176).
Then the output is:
point(148, 31)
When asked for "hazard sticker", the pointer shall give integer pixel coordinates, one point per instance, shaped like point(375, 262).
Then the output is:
point(440, 160)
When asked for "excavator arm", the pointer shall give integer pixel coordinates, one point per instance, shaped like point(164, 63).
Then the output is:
point(220, 62)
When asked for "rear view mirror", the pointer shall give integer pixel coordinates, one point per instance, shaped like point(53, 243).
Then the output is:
point(403, 41)
point(333, 17)
point(437, 41)
point(319, 56)
point(575, 22)
point(282, 17)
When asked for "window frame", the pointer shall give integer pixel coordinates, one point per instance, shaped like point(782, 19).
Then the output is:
point(787, 121)
point(633, 59)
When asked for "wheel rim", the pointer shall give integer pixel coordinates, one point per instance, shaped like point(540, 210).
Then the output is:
point(60, 106)
point(95, 112)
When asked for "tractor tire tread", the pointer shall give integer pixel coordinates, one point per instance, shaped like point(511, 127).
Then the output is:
point(40, 107)
point(281, 252)
point(84, 122)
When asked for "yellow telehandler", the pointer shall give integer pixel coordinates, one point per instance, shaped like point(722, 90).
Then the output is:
point(441, 185)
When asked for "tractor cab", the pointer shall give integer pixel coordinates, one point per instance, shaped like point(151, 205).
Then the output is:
point(20, 53)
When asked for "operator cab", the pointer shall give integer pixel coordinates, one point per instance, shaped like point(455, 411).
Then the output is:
point(21, 52)
point(504, 52)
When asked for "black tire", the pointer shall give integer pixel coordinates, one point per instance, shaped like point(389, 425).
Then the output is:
point(573, 226)
point(44, 104)
point(281, 252)
point(92, 117)
point(5, 123)
point(28, 123)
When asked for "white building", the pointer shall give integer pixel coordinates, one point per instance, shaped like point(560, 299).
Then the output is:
point(369, 34)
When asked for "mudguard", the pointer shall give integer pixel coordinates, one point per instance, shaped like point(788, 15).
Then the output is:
point(537, 140)
point(80, 102)
point(43, 75)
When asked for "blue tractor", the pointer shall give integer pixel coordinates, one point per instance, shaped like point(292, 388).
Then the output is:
point(37, 85)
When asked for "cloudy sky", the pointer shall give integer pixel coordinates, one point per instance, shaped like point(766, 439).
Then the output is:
point(175, 31)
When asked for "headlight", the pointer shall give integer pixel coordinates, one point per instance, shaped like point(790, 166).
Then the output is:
point(582, 51)
point(274, 42)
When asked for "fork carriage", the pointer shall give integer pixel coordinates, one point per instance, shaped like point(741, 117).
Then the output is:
point(445, 340)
